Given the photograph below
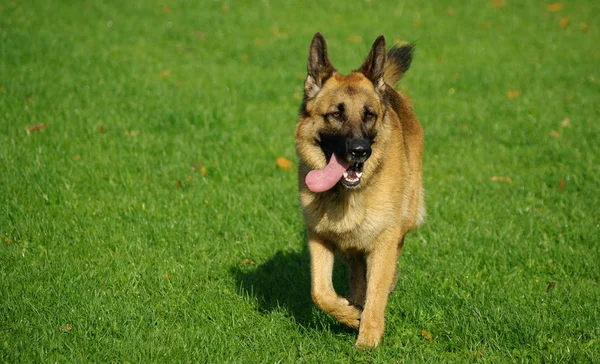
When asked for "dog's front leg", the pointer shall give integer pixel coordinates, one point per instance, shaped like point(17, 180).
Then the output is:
point(381, 270)
point(323, 294)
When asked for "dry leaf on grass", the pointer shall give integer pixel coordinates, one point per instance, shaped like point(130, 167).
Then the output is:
point(166, 9)
point(101, 129)
point(511, 94)
point(562, 184)
point(132, 133)
point(550, 286)
point(178, 184)
point(284, 163)
point(497, 3)
point(584, 27)
point(554, 134)
point(501, 179)
point(66, 327)
point(555, 7)
point(248, 261)
point(565, 123)
point(564, 21)
point(355, 39)
point(427, 335)
point(164, 73)
point(37, 127)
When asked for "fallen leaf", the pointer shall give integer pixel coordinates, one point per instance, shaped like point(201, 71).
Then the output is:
point(203, 171)
point(501, 179)
point(189, 178)
point(277, 33)
point(131, 133)
point(77, 157)
point(8, 241)
point(37, 127)
point(562, 184)
point(200, 35)
point(450, 11)
point(164, 73)
point(555, 7)
point(497, 3)
point(248, 261)
point(592, 79)
point(464, 127)
point(260, 42)
point(554, 134)
point(480, 353)
point(169, 276)
point(166, 9)
point(284, 163)
point(564, 21)
point(101, 129)
point(66, 327)
point(565, 123)
point(584, 27)
point(511, 94)
point(550, 287)
point(355, 38)
point(426, 335)
point(29, 100)
point(178, 184)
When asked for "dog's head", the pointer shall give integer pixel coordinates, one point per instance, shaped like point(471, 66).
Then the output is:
point(347, 115)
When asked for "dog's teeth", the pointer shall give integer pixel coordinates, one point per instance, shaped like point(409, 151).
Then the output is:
point(358, 174)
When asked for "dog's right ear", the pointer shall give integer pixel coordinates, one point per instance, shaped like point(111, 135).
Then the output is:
point(319, 67)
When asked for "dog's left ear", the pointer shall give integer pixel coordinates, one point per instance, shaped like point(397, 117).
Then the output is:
point(319, 68)
point(374, 66)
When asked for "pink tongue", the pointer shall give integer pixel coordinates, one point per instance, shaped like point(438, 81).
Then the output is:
point(321, 180)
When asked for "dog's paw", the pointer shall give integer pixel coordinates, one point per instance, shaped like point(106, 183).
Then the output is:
point(349, 315)
point(369, 337)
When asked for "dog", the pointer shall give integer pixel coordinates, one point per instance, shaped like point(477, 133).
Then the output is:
point(360, 148)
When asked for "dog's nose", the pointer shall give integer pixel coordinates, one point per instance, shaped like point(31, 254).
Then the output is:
point(359, 148)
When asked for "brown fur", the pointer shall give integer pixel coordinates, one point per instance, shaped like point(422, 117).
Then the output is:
point(364, 225)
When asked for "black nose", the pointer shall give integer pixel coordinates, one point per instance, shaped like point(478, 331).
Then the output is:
point(359, 148)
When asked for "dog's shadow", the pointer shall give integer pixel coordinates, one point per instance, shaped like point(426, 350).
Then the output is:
point(283, 283)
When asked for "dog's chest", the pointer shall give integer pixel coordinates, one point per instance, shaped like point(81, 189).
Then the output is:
point(351, 224)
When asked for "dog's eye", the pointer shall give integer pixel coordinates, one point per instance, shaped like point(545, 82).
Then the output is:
point(369, 116)
point(334, 115)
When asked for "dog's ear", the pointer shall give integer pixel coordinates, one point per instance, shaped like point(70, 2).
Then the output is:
point(374, 66)
point(397, 63)
point(319, 67)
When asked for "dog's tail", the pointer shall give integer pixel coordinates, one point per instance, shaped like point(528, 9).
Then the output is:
point(397, 63)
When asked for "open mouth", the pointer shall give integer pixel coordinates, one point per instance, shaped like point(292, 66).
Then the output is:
point(352, 175)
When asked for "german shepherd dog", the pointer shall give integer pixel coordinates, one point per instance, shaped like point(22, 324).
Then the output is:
point(360, 148)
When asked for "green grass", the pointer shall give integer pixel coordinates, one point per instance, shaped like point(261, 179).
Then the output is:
point(105, 256)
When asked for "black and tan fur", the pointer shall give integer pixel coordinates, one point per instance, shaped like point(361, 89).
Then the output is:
point(364, 224)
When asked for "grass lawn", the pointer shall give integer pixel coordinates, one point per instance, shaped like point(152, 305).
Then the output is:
point(143, 217)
